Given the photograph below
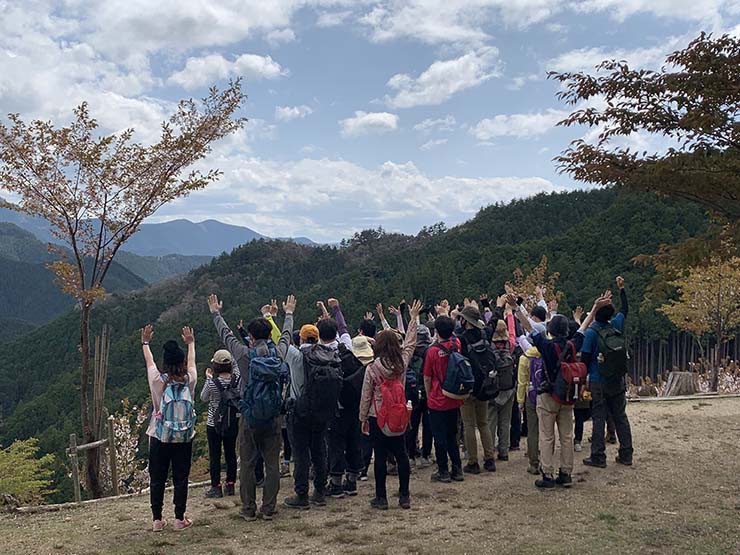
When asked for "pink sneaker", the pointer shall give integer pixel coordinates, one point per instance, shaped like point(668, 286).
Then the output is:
point(158, 525)
point(183, 524)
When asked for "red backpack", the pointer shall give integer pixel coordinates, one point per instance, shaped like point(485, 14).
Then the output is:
point(392, 414)
point(571, 378)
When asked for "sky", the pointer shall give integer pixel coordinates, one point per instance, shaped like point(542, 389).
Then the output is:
point(361, 114)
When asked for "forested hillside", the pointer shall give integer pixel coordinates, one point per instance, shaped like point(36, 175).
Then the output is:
point(588, 237)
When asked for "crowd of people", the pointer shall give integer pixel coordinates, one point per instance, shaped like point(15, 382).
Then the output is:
point(330, 404)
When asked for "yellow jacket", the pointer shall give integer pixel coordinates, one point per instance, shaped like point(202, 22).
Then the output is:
point(523, 374)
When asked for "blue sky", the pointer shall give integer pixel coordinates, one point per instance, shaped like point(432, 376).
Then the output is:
point(362, 114)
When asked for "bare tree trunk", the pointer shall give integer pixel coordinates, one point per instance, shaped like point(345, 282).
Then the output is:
point(714, 386)
point(92, 463)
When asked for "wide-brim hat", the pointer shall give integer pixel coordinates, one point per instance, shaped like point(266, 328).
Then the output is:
point(472, 316)
point(362, 349)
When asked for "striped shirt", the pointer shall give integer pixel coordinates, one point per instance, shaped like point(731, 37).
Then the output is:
point(212, 395)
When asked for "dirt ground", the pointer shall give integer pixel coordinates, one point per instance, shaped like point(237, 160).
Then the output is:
point(681, 496)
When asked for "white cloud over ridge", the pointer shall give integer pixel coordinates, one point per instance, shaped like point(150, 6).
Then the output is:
point(368, 123)
point(443, 79)
point(204, 70)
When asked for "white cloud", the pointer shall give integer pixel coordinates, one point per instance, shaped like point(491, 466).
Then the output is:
point(204, 70)
point(332, 19)
point(446, 123)
point(429, 145)
point(287, 113)
point(280, 36)
point(709, 11)
point(518, 82)
point(364, 123)
point(517, 125)
point(443, 79)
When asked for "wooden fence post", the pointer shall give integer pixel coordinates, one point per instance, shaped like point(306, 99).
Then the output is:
point(112, 455)
point(75, 466)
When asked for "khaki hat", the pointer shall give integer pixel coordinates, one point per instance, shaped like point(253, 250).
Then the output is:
point(222, 356)
point(501, 333)
point(309, 331)
point(362, 350)
point(472, 316)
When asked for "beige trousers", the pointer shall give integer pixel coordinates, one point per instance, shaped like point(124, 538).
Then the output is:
point(549, 412)
point(475, 415)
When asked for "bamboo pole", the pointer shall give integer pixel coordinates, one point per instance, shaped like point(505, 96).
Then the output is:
point(75, 466)
point(112, 456)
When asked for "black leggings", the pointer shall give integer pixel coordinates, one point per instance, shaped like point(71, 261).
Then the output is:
point(161, 457)
point(385, 445)
point(287, 451)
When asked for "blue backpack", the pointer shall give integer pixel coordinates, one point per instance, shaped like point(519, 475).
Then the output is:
point(459, 381)
point(263, 397)
point(176, 418)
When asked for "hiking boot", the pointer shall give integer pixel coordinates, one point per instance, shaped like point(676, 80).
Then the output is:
point(183, 524)
point(546, 482)
point(392, 470)
point(472, 468)
point(611, 438)
point(490, 465)
point(350, 488)
point(267, 514)
point(380, 503)
point(336, 491)
point(297, 502)
point(158, 525)
point(250, 515)
point(514, 448)
point(214, 493)
point(577, 447)
point(533, 469)
point(442, 477)
point(503, 457)
point(457, 476)
point(363, 475)
point(564, 480)
point(404, 501)
point(598, 463)
point(260, 482)
point(285, 470)
point(625, 462)
point(425, 462)
point(229, 488)
point(318, 498)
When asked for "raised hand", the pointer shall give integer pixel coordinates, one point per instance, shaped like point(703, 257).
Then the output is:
point(473, 303)
point(620, 282)
point(240, 325)
point(147, 332)
point(511, 299)
point(214, 305)
point(274, 307)
point(379, 310)
point(392, 309)
point(540, 292)
point(442, 310)
point(578, 314)
point(455, 312)
point(415, 309)
point(466, 302)
point(333, 303)
point(322, 308)
point(501, 301)
point(509, 289)
point(289, 305)
point(187, 335)
point(369, 316)
point(266, 309)
point(552, 306)
point(209, 373)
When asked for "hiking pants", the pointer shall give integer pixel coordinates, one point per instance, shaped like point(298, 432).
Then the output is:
point(161, 457)
point(533, 434)
point(581, 416)
point(419, 419)
point(366, 443)
point(254, 442)
point(615, 405)
point(550, 413)
point(345, 451)
point(385, 445)
point(215, 441)
point(475, 415)
point(515, 435)
point(287, 453)
point(499, 421)
point(308, 443)
point(444, 430)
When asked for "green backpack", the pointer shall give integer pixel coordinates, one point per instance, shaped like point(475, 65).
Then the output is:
point(613, 354)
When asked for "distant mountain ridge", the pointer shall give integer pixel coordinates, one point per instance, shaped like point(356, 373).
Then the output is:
point(206, 238)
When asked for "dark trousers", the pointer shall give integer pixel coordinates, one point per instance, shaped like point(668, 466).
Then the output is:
point(419, 419)
point(215, 442)
point(515, 435)
point(345, 451)
point(161, 457)
point(308, 443)
point(607, 403)
point(255, 443)
point(287, 453)
point(444, 429)
point(385, 445)
point(366, 443)
point(581, 416)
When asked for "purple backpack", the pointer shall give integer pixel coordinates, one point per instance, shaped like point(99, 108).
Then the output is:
point(536, 377)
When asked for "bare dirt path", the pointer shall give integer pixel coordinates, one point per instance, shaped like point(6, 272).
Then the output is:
point(682, 496)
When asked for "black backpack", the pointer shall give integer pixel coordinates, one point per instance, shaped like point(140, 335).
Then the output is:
point(416, 364)
point(613, 356)
point(323, 381)
point(482, 357)
point(353, 372)
point(505, 369)
point(226, 418)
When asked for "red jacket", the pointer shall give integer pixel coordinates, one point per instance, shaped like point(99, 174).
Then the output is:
point(435, 367)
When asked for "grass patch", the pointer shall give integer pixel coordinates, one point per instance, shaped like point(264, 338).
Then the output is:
point(608, 519)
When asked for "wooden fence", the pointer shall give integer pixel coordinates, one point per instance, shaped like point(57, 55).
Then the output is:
point(73, 450)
